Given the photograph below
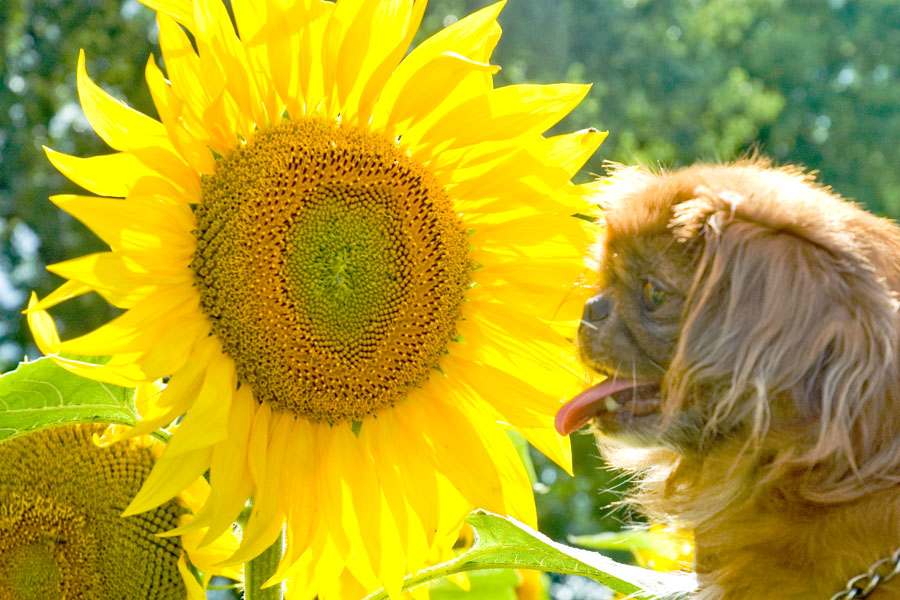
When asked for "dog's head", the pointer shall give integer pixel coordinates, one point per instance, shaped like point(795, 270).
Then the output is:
point(739, 301)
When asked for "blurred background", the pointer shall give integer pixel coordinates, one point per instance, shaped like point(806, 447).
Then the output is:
point(809, 82)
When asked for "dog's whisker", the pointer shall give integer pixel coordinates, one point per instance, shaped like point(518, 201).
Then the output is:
point(588, 325)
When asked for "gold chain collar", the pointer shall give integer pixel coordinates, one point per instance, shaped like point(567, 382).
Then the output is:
point(860, 586)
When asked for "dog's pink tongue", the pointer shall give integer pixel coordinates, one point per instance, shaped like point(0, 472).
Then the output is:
point(583, 407)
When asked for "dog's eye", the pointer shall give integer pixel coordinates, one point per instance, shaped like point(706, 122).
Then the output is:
point(653, 295)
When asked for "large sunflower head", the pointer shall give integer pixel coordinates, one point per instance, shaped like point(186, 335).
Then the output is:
point(350, 260)
point(61, 530)
point(339, 288)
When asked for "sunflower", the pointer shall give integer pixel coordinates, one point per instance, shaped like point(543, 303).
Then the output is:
point(61, 530)
point(354, 264)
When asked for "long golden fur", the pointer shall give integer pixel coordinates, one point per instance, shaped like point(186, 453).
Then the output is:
point(759, 311)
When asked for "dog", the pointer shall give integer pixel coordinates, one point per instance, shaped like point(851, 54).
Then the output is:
point(747, 325)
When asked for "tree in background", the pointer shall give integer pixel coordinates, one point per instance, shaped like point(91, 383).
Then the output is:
point(812, 82)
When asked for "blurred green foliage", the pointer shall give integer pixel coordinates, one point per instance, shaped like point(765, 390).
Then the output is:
point(812, 82)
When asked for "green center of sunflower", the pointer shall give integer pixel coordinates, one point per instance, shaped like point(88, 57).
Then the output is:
point(342, 270)
point(61, 530)
point(331, 266)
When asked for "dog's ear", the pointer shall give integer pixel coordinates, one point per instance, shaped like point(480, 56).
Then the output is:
point(782, 309)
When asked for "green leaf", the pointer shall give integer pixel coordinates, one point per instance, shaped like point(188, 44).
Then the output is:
point(661, 543)
point(504, 543)
point(494, 584)
point(41, 394)
point(630, 541)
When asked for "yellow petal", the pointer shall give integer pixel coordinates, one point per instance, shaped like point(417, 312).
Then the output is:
point(258, 442)
point(452, 520)
point(171, 170)
point(175, 348)
point(559, 305)
point(177, 396)
point(347, 586)
point(531, 276)
point(67, 291)
point(329, 487)
point(207, 557)
point(375, 435)
point(111, 275)
point(168, 477)
point(252, 18)
point(506, 113)
point(420, 592)
point(359, 475)
point(180, 10)
point(106, 175)
point(517, 493)
point(390, 440)
point(376, 37)
point(458, 449)
point(393, 549)
point(229, 476)
point(282, 33)
point(207, 113)
point(492, 332)
point(185, 72)
point(553, 236)
point(124, 373)
point(175, 116)
point(473, 37)
point(427, 88)
point(43, 329)
point(139, 329)
point(529, 180)
point(138, 223)
point(194, 589)
point(572, 150)
point(311, 69)
point(328, 564)
point(299, 501)
point(370, 94)
point(513, 399)
point(206, 422)
point(221, 49)
point(266, 518)
point(120, 126)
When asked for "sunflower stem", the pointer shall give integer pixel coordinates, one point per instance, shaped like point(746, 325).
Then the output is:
point(258, 570)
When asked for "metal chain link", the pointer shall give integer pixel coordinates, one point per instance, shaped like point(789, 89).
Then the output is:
point(863, 584)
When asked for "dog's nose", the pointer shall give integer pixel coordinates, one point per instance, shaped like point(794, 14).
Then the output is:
point(597, 308)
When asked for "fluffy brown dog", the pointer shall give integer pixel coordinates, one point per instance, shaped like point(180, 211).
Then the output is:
point(747, 324)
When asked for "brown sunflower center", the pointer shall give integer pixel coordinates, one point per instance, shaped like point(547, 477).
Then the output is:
point(61, 533)
point(331, 266)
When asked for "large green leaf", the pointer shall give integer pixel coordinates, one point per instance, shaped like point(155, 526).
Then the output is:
point(41, 394)
point(502, 542)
